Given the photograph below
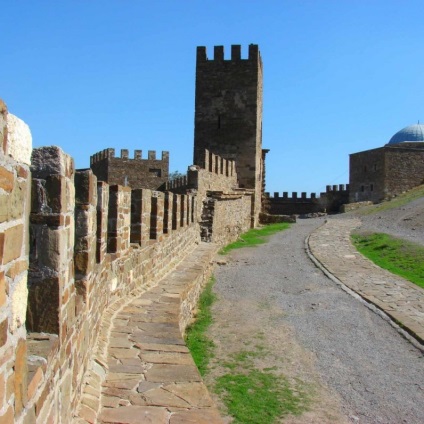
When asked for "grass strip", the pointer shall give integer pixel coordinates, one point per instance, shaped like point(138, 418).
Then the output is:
point(253, 395)
point(398, 256)
point(200, 346)
point(254, 237)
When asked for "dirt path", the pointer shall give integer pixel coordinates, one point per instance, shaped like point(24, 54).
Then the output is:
point(353, 365)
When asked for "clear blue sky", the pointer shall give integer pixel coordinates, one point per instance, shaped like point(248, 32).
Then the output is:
point(339, 76)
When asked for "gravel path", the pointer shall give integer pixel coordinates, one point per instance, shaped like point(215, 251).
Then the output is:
point(357, 367)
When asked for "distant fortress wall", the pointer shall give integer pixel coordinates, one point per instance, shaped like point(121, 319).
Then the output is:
point(328, 201)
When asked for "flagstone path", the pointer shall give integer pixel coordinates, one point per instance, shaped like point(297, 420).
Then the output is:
point(150, 375)
point(401, 300)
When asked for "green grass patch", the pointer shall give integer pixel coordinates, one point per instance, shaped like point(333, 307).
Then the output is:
point(398, 256)
point(254, 396)
point(255, 236)
point(397, 201)
point(200, 346)
point(258, 397)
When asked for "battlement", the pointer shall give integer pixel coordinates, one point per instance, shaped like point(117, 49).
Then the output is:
point(218, 165)
point(235, 53)
point(136, 172)
point(336, 188)
point(294, 196)
point(329, 189)
point(221, 173)
point(138, 155)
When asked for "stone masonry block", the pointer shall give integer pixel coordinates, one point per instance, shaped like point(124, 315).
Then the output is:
point(4, 325)
point(51, 161)
point(6, 179)
point(56, 193)
point(17, 200)
point(52, 248)
point(21, 375)
point(19, 139)
point(43, 309)
point(12, 244)
point(85, 187)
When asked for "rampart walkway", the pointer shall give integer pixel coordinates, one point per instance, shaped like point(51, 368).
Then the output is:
point(150, 375)
point(401, 300)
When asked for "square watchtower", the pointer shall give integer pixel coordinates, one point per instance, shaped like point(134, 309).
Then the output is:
point(228, 112)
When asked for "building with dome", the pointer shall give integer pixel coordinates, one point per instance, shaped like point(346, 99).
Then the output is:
point(384, 172)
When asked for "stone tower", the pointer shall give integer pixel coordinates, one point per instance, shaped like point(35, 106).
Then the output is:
point(228, 113)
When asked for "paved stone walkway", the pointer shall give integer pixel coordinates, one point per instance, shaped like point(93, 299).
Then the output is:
point(401, 300)
point(151, 376)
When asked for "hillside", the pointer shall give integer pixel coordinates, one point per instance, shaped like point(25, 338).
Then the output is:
point(401, 217)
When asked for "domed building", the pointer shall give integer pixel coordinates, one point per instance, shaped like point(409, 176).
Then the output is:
point(384, 172)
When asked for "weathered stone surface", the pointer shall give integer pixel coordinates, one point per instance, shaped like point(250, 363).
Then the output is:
point(2, 289)
point(135, 415)
point(3, 332)
point(21, 371)
point(167, 358)
point(19, 302)
point(172, 373)
point(193, 393)
point(6, 179)
point(46, 161)
point(43, 316)
point(161, 397)
point(201, 416)
point(13, 241)
point(19, 144)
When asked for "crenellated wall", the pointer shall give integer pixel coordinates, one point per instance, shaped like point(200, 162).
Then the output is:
point(329, 201)
point(70, 246)
point(134, 172)
point(223, 210)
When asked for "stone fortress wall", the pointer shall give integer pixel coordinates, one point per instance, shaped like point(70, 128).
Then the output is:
point(329, 201)
point(72, 246)
point(133, 172)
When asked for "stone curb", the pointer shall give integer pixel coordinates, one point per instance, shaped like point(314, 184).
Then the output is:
point(407, 333)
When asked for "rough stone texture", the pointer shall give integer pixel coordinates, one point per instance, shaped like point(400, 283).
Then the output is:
point(15, 140)
point(382, 173)
point(148, 173)
point(19, 139)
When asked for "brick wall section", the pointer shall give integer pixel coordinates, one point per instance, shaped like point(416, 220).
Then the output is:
point(134, 172)
point(382, 173)
point(15, 183)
